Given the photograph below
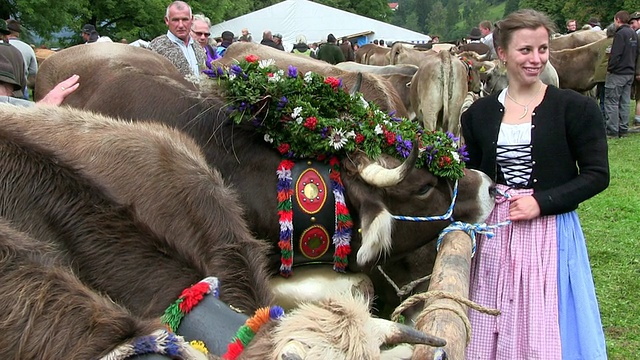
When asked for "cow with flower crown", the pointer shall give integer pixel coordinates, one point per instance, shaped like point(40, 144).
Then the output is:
point(326, 177)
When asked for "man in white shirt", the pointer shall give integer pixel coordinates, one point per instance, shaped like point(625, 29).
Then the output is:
point(177, 44)
point(487, 38)
point(28, 55)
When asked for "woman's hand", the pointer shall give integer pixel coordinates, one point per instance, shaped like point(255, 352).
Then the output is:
point(523, 207)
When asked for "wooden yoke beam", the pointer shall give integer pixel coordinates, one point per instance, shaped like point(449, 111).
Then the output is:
point(442, 315)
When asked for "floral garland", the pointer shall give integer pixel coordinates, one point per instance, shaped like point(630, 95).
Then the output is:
point(247, 331)
point(310, 116)
point(344, 225)
point(189, 298)
point(285, 216)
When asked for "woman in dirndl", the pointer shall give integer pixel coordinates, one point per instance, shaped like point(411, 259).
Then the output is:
point(546, 148)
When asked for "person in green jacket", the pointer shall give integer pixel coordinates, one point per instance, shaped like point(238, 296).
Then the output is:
point(330, 52)
point(600, 74)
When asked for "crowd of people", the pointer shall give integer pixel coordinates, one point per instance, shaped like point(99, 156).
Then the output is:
point(545, 147)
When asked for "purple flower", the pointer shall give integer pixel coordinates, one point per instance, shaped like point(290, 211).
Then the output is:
point(339, 82)
point(464, 154)
point(209, 73)
point(243, 106)
point(324, 132)
point(293, 71)
point(220, 71)
point(404, 146)
point(236, 69)
point(282, 103)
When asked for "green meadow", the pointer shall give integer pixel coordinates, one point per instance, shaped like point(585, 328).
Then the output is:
point(610, 221)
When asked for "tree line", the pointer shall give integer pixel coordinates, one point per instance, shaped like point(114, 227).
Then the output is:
point(142, 19)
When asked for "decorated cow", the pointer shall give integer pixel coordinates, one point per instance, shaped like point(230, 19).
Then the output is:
point(90, 235)
point(374, 187)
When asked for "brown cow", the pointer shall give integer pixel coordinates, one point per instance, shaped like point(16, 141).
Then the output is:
point(246, 161)
point(163, 174)
point(577, 66)
point(48, 313)
point(438, 90)
point(372, 54)
point(249, 163)
point(374, 88)
point(576, 39)
point(114, 253)
point(399, 76)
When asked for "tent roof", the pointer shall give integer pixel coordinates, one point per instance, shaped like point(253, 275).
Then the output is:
point(292, 18)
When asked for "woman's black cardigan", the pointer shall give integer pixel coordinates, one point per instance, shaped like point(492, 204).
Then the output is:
point(569, 147)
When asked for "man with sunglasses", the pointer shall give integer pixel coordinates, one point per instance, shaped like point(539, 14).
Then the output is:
point(200, 33)
point(177, 44)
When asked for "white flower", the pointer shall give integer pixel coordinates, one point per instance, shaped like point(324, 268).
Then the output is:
point(299, 121)
point(337, 139)
point(268, 138)
point(265, 63)
point(351, 134)
point(307, 76)
point(378, 129)
point(455, 156)
point(296, 112)
point(275, 77)
point(232, 76)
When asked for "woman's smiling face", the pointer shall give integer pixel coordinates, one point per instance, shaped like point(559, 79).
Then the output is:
point(526, 55)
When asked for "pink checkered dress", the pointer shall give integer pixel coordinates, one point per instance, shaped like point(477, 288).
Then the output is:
point(516, 272)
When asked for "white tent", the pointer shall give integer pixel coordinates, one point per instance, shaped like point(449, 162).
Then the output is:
point(315, 21)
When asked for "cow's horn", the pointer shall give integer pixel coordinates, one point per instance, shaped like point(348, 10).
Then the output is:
point(357, 85)
point(377, 175)
point(395, 333)
point(293, 350)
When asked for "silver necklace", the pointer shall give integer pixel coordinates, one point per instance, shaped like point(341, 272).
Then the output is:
point(526, 107)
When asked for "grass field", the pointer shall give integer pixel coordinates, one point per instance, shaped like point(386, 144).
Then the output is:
point(611, 222)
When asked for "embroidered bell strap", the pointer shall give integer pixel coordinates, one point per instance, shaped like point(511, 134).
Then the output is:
point(161, 342)
point(189, 298)
point(247, 331)
point(303, 200)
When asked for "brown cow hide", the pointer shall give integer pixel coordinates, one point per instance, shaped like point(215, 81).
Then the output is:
point(576, 39)
point(576, 67)
point(163, 174)
point(48, 313)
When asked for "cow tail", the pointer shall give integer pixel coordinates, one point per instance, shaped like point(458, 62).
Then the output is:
point(446, 86)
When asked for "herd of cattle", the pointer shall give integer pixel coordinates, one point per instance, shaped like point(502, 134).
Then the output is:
point(140, 187)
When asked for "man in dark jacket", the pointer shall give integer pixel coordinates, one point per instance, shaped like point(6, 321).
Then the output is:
point(620, 75)
point(347, 50)
point(330, 52)
point(267, 39)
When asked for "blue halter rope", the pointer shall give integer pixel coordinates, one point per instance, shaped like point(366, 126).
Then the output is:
point(470, 229)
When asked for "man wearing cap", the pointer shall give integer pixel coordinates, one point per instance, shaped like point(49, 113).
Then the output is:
point(620, 75)
point(594, 23)
point(227, 39)
point(177, 44)
point(330, 52)
point(89, 34)
point(475, 44)
point(277, 38)
point(634, 23)
point(267, 39)
point(12, 74)
point(28, 55)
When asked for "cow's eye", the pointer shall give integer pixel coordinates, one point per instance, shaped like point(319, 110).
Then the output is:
point(424, 189)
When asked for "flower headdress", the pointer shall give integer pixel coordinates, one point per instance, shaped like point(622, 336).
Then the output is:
point(310, 116)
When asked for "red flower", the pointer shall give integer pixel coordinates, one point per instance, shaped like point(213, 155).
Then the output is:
point(283, 148)
point(359, 138)
point(251, 58)
point(332, 81)
point(391, 137)
point(445, 160)
point(311, 123)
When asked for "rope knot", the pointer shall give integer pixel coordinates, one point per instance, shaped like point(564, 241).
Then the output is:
point(471, 230)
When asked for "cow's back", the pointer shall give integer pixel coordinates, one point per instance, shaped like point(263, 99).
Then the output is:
point(98, 63)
